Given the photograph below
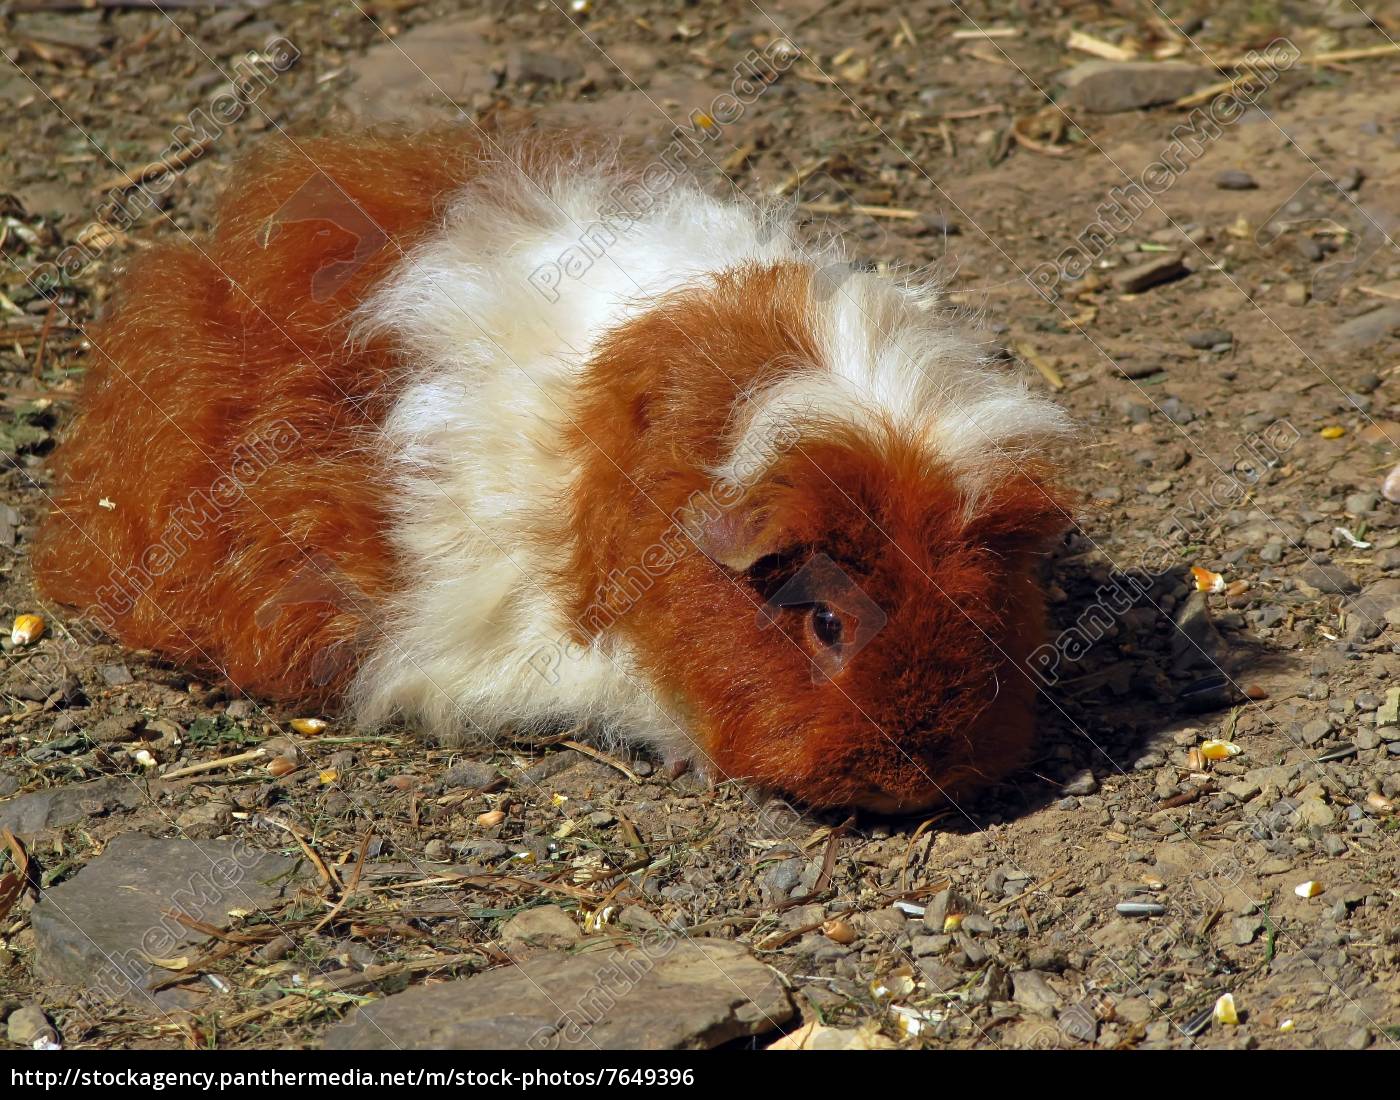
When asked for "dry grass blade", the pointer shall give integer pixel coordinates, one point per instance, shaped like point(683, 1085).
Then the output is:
point(1087, 43)
point(343, 982)
point(213, 931)
point(349, 890)
point(857, 208)
point(327, 875)
point(924, 826)
point(1035, 359)
point(13, 883)
point(1057, 127)
point(602, 758)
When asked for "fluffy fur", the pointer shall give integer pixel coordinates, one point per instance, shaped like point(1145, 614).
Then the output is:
point(495, 509)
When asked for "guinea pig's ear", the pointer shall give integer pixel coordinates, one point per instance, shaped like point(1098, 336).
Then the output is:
point(737, 537)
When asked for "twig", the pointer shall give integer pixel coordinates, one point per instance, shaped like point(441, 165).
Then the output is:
point(1333, 56)
point(1041, 885)
point(975, 112)
point(44, 341)
point(186, 155)
point(855, 208)
point(216, 765)
point(985, 32)
point(913, 840)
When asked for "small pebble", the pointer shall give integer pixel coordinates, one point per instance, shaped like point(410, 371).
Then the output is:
point(1205, 339)
point(1140, 909)
point(1235, 179)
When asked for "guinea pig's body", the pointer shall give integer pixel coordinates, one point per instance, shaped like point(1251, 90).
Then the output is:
point(478, 433)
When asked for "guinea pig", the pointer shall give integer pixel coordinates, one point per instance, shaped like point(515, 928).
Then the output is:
point(483, 431)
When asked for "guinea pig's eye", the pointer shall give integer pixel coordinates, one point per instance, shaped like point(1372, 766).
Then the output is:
point(826, 625)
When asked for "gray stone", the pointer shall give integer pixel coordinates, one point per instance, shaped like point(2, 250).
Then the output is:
point(1367, 329)
point(1328, 578)
point(1109, 86)
point(95, 931)
point(940, 907)
point(1160, 269)
point(783, 877)
point(1080, 1022)
point(543, 926)
point(547, 768)
point(1366, 612)
point(1314, 811)
point(677, 994)
point(1033, 993)
point(1205, 339)
point(56, 807)
point(28, 1025)
point(1358, 504)
point(118, 728)
point(1081, 783)
point(469, 774)
point(1388, 713)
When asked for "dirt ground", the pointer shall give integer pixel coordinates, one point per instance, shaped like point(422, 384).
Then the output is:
point(1227, 346)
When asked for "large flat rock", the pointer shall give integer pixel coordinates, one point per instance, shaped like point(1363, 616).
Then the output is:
point(28, 814)
point(428, 74)
point(670, 994)
point(97, 932)
point(1368, 328)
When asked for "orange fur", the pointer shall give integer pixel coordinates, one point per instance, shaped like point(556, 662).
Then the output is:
point(210, 352)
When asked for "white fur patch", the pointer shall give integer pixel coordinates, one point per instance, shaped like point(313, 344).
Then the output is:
point(477, 638)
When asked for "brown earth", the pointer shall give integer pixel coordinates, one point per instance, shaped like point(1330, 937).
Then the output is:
point(1238, 416)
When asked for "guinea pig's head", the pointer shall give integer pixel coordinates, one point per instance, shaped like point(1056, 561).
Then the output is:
point(849, 615)
point(867, 621)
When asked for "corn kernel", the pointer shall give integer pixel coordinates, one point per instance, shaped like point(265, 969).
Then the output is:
point(1224, 1011)
point(27, 628)
point(1207, 581)
point(1219, 750)
point(308, 726)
